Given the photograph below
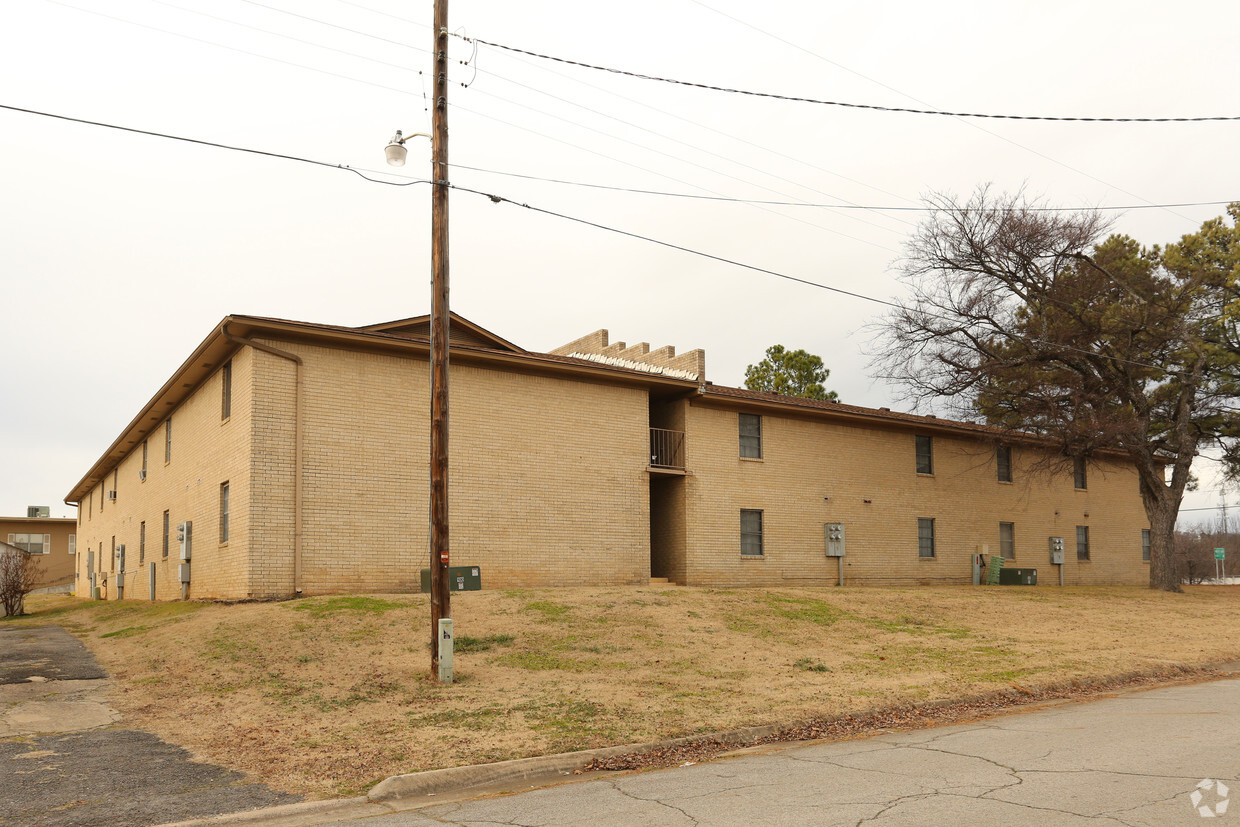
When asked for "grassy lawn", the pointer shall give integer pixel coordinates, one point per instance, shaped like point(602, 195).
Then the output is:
point(328, 695)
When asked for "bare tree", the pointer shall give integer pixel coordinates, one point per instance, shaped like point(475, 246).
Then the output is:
point(19, 575)
point(1028, 319)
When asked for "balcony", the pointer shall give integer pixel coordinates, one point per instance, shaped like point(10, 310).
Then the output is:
point(667, 451)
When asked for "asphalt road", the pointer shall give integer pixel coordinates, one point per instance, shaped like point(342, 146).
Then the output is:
point(1132, 759)
point(64, 759)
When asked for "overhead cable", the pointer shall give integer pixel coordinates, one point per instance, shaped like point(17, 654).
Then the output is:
point(820, 102)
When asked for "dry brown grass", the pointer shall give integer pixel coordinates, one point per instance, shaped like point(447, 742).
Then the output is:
point(325, 696)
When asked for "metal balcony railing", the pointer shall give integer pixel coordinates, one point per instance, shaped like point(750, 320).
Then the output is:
point(667, 449)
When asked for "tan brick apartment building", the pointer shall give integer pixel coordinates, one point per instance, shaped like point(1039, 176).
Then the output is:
point(54, 539)
point(298, 452)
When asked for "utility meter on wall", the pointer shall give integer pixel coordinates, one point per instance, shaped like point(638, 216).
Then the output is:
point(1056, 550)
point(185, 536)
point(835, 539)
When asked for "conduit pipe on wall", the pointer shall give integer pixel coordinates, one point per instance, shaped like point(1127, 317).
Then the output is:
point(297, 419)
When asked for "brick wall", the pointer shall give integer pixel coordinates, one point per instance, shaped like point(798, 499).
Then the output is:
point(207, 451)
point(813, 472)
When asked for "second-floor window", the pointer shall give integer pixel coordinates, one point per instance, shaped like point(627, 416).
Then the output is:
point(751, 435)
point(168, 440)
point(226, 391)
point(1003, 463)
point(1078, 473)
point(925, 455)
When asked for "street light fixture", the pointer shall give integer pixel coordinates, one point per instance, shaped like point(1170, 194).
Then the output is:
point(396, 151)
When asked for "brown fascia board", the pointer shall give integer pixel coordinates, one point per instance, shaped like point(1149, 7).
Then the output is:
point(38, 519)
point(872, 417)
point(456, 321)
point(215, 349)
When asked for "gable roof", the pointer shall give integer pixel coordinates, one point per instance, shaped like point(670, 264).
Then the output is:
point(460, 331)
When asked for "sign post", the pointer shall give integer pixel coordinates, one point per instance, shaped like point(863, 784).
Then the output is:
point(1220, 563)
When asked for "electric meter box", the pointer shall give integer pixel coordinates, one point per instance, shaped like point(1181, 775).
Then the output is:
point(460, 579)
point(834, 534)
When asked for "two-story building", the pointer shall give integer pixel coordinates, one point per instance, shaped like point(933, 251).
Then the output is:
point(53, 541)
point(298, 455)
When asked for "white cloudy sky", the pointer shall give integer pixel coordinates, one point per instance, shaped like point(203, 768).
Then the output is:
point(120, 252)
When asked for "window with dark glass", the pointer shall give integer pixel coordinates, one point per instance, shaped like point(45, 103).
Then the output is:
point(226, 390)
point(168, 440)
point(1078, 472)
point(925, 536)
point(925, 455)
point(224, 513)
point(1082, 542)
point(142, 542)
point(751, 532)
point(751, 435)
point(1003, 463)
point(1007, 540)
point(165, 534)
point(1145, 544)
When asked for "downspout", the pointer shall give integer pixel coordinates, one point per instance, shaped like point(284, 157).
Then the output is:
point(297, 418)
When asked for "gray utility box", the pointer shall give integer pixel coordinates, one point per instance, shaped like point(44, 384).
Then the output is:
point(183, 571)
point(834, 535)
point(460, 579)
point(1018, 577)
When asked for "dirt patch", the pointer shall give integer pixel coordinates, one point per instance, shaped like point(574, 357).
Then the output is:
point(326, 696)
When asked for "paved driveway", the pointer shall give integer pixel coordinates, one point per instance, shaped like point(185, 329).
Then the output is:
point(64, 759)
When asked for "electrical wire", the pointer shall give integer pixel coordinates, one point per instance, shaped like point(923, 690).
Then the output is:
point(965, 121)
point(234, 48)
point(214, 144)
point(820, 102)
point(316, 45)
point(574, 78)
point(688, 162)
point(874, 207)
point(359, 32)
point(499, 199)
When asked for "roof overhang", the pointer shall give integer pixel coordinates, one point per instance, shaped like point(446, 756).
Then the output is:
point(221, 343)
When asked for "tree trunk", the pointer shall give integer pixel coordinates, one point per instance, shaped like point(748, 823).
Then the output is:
point(1162, 513)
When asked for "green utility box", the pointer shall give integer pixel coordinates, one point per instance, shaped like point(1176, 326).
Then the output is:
point(460, 579)
point(1018, 577)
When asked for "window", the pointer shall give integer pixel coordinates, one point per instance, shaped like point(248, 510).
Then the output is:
point(165, 534)
point(925, 455)
point(925, 536)
point(751, 436)
point(224, 513)
point(32, 543)
point(144, 453)
point(102, 496)
point(1145, 544)
point(73, 544)
point(1007, 541)
point(1003, 463)
point(226, 390)
point(751, 533)
point(1078, 472)
point(1082, 542)
point(168, 440)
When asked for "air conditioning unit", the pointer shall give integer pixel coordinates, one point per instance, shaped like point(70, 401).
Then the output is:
point(112, 496)
point(141, 475)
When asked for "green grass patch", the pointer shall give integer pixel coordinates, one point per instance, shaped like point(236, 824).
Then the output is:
point(467, 645)
point(128, 631)
point(809, 665)
point(803, 608)
point(549, 611)
point(320, 607)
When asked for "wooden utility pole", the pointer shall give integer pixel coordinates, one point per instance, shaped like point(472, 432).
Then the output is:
point(440, 596)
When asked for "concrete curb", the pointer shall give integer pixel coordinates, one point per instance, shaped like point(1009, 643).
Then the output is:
point(429, 782)
point(400, 791)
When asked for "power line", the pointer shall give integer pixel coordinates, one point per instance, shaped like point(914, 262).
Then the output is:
point(498, 199)
point(849, 206)
point(820, 102)
point(235, 48)
point(201, 142)
point(965, 121)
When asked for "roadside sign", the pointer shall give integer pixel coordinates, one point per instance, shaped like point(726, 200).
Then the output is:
point(1220, 554)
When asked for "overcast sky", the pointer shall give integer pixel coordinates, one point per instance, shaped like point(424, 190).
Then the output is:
point(120, 252)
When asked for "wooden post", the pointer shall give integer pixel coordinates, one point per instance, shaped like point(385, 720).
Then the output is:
point(440, 596)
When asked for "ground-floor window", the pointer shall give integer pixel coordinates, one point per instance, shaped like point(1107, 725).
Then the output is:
point(1007, 541)
point(1082, 542)
point(751, 532)
point(925, 536)
point(1145, 544)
